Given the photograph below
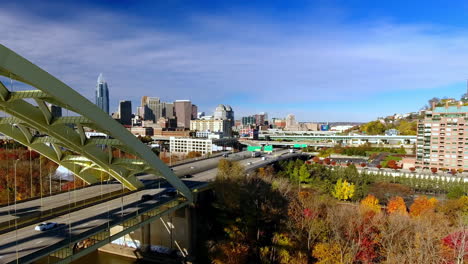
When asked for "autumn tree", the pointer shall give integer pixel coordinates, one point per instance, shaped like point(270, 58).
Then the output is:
point(326, 253)
point(193, 154)
point(343, 190)
point(370, 203)
point(422, 205)
point(397, 205)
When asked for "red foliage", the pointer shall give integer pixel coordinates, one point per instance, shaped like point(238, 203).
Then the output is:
point(333, 163)
point(327, 161)
point(68, 186)
point(379, 166)
point(308, 213)
point(368, 245)
point(391, 164)
point(363, 164)
point(457, 240)
point(316, 159)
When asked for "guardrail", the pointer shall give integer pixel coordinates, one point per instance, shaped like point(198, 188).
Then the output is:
point(65, 250)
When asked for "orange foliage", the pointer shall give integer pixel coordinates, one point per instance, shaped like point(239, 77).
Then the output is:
point(397, 205)
point(422, 205)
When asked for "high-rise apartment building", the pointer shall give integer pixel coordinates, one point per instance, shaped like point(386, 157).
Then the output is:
point(183, 112)
point(125, 112)
point(102, 94)
point(442, 140)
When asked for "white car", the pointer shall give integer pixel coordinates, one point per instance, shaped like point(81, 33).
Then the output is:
point(45, 226)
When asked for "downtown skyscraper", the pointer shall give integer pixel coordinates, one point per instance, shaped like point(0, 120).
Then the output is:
point(102, 94)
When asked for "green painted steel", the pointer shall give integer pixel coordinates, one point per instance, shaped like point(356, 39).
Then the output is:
point(254, 148)
point(63, 139)
point(268, 148)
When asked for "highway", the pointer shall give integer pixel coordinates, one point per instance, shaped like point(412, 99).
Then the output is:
point(59, 203)
point(25, 241)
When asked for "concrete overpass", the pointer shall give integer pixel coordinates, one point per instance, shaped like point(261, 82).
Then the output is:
point(348, 140)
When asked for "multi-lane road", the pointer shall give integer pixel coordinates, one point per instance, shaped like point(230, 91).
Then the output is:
point(26, 241)
point(63, 202)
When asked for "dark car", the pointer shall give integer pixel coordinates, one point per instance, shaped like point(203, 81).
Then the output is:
point(146, 197)
point(170, 192)
point(188, 176)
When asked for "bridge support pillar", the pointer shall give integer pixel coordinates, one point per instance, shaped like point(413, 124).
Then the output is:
point(145, 235)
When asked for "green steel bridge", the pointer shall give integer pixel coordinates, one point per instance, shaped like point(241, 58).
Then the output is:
point(63, 139)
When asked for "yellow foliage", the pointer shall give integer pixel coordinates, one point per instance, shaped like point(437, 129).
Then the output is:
point(327, 253)
point(343, 190)
point(370, 203)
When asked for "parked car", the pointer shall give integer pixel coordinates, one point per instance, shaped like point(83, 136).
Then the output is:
point(146, 197)
point(46, 226)
point(192, 167)
point(188, 176)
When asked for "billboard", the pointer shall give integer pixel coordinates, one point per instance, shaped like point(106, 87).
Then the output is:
point(324, 127)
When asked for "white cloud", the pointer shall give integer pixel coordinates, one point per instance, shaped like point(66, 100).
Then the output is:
point(215, 58)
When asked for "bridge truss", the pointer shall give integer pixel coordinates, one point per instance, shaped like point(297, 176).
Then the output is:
point(63, 139)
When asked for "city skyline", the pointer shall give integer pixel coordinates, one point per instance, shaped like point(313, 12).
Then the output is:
point(337, 61)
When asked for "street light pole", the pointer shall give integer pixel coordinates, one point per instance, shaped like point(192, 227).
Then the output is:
point(16, 218)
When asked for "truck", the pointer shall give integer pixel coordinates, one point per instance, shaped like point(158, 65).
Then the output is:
point(256, 154)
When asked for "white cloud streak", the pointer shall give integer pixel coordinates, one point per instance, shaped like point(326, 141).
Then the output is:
point(216, 58)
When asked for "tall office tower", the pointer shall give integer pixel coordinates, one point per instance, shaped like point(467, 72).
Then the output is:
point(194, 112)
point(102, 94)
point(154, 104)
point(230, 114)
point(125, 112)
point(220, 112)
point(151, 108)
point(248, 120)
point(56, 111)
point(183, 112)
point(169, 110)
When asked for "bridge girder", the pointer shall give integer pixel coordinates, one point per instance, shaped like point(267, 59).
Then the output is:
point(63, 139)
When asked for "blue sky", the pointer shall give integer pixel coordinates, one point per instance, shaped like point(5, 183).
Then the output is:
point(321, 60)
